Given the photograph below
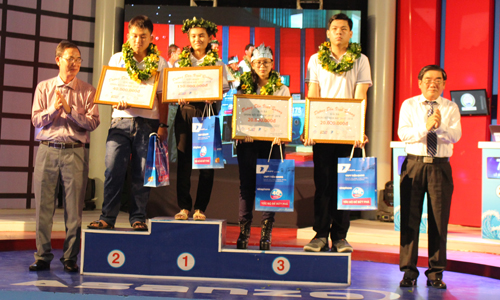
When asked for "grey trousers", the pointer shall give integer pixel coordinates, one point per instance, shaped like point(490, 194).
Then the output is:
point(72, 166)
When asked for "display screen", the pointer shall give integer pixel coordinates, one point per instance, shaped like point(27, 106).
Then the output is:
point(285, 79)
point(471, 102)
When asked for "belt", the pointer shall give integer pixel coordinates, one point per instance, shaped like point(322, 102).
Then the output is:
point(428, 159)
point(64, 145)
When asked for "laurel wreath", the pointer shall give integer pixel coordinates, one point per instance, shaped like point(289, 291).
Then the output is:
point(209, 26)
point(150, 61)
point(347, 62)
point(210, 59)
point(248, 85)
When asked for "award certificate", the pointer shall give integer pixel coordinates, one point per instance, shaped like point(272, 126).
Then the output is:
point(115, 85)
point(192, 84)
point(336, 121)
point(262, 117)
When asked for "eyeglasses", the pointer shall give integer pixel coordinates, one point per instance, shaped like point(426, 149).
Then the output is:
point(73, 60)
point(435, 81)
point(262, 63)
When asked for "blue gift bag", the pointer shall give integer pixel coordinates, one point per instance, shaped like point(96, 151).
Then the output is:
point(207, 143)
point(357, 183)
point(275, 181)
point(156, 172)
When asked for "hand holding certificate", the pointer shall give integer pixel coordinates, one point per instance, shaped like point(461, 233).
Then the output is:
point(338, 121)
point(115, 87)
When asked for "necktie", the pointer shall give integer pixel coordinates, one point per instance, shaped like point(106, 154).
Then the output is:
point(431, 135)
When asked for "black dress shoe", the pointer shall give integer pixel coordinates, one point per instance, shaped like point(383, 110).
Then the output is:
point(408, 282)
point(438, 284)
point(70, 266)
point(39, 265)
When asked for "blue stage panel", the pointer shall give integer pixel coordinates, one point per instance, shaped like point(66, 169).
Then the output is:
point(195, 249)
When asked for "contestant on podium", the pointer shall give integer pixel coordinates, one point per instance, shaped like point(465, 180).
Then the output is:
point(200, 33)
point(128, 135)
point(338, 70)
point(64, 110)
point(429, 125)
point(261, 80)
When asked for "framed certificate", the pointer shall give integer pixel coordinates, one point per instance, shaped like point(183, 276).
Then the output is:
point(336, 121)
point(262, 117)
point(192, 84)
point(115, 85)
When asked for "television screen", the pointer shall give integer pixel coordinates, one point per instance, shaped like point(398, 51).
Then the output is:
point(285, 79)
point(471, 102)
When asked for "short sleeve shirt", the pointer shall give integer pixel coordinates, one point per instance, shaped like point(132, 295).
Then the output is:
point(333, 85)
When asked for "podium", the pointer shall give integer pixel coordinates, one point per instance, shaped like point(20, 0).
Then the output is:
point(196, 249)
point(490, 217)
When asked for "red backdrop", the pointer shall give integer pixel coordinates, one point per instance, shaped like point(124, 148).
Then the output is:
point(469, 63)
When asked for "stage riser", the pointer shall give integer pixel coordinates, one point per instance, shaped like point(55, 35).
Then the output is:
point(196, 249)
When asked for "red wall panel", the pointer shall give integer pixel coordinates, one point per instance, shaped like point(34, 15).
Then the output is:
point(314, 38)
point(266, 35)
point(417, 45)
point(180, 39)
point(220, 34)
point(290, 57)
point(239, 37)
point(160, 38)
point(469, 64)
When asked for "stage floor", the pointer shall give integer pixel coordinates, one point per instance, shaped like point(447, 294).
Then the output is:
point(375, 273)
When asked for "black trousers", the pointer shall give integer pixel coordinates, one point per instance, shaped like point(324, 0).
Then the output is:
point(418, 178)
point(328, 220)
point(248, 153)
point(184, 138)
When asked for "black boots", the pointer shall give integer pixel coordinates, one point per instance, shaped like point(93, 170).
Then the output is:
point(265, 235)
point(242, 242)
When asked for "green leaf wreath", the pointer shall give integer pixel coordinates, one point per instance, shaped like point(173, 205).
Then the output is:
point(248, 85)
point(210, 58)
point(347, 62)
point(150, 61)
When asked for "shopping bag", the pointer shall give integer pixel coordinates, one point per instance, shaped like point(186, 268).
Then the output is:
point(357, 182)
point(275, 181)
point(207, 142)
point(157, 171)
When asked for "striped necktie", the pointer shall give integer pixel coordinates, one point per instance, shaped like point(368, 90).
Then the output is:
point(431, 135)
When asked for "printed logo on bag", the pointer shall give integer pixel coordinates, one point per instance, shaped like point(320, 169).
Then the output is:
point(261, 169)
point(197, 127)
point(151, 178)
point(217, 160)
point(276, 194)
point(357, 192)
point(343, 168)
point(203, 151)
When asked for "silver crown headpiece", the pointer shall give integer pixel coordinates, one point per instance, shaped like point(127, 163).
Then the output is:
point(262, 52)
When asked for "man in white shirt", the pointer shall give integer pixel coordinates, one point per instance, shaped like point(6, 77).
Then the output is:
point(128, 135)
point(429, 125)
point(335, 81)
point(245, 64)
point(173, 55)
